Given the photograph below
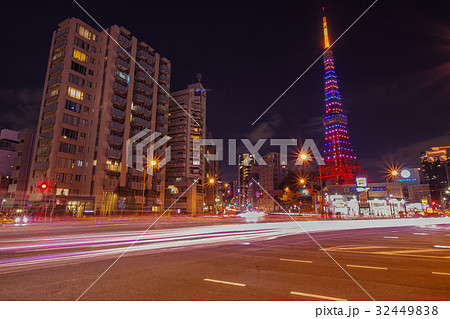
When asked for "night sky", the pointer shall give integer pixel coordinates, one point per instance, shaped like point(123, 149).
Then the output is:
point(393, 66)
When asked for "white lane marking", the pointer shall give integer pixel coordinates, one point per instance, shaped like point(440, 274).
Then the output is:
point(316, 296)
point(440, 246)
point(421, 234)
point(440, 273)
point(297, 261)
point(225, 282)
point(368, 267)
point(393, 237)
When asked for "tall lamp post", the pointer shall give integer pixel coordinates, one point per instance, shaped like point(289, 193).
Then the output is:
point(392, 175)
point(148, 163)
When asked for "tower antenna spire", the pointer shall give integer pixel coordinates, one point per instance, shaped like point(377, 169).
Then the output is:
point(326, 40)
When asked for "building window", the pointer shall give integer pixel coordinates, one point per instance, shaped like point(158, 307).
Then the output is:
point(72, 106)
point(80, 55)
point(76, 94)
point(71, 120)
point(82, 44)
point(78, 68)
point(81, 149)
point(67, 148)
point(70, 134)
point(76, 79)
point(85, 33)
point(91, 72)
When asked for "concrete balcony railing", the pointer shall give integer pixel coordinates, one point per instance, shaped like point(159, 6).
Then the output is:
point(60, 44)
point(135, 172)
point(164, 78)
point(119, 101)
point(146, 66)
point(56, 68)
point(116, 126)
point(62, 31)
point(46, 135)
point(162, 119)
point(141, 110)
point(162, 97)
point(122, 64)
point(117, 113)
point(110, 182)
point(141, 98)
point(48, 121)
point(145, 55)
point(41, 165)
point(123, 40)
point(50, 107)
point(136, 185)
point(141, 75)
point(113, 168)
point(44, 150)
point(161, 129)
point(141, 122)
point(55, 80)
point(120, 88)
point(114, 154)
point(138, 86)
point(114, 139)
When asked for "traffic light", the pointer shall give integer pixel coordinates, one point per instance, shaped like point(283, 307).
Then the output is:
point(305, 192)
point(43, 186)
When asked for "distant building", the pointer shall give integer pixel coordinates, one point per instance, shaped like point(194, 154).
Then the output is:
point(436, 170)
point(95, 98)
point(22, 167)
point(211, 189)
point(184, 167)
point(246, 161)
point(8, 144)
point(270, 177)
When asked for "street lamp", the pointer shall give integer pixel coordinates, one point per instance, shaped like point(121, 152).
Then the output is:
point(393, 173)
point(153, 163)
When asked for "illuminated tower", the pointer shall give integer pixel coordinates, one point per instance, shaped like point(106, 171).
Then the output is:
point(341, 165)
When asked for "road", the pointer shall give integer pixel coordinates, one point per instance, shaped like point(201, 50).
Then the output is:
point(345, 260)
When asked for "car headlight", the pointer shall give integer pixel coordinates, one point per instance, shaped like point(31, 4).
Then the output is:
point(17, 220)
point(25, 219)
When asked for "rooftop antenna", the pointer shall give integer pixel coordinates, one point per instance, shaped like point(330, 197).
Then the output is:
point(199, 77)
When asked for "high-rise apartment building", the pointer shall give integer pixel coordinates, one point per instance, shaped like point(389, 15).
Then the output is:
point(184, 127)
point(95, 98)
point(436, 170)
point(8, 144)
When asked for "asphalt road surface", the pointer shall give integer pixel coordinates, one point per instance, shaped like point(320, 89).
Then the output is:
point(345, 260)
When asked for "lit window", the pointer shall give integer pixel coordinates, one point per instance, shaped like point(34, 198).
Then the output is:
point(76, 94)
point(85, 33)
point(80, 55)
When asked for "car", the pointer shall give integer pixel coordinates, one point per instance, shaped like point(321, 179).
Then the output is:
point(435, 214)
point(4, 218)
point(21, 219)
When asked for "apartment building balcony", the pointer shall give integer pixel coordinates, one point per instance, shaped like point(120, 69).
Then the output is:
point(48, 121)
point(12, 188)
point(161, 129)
point(146, 66)
point(145, 55)
point(50, 108)
point(41, 165)
point(62, 31)
point(136, 185)
point(164, 69)
point(141, 110)
point(162, 108)
point(56, 68)
point(119, 88)
point(119, 114)
point(162, 97)
point(121, 64)
point(114, 154)
point(138, 97)
point(60, 43)
point(142, 87)
point(164, 78)
point(162, 119)
point(124, 41)
point(123, 53)
point(119, 101)
point(135, 172)
point(44, 150)
point(164, 87)
point(46, 135)
point(141, 122)
point(114, 139)
point(55, 80)
point(116, 126)
point(107, 182)
point(113, 169)
point(141, 75)
point(178, 129)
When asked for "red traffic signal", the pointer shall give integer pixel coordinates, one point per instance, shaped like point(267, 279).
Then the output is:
point(43, 186)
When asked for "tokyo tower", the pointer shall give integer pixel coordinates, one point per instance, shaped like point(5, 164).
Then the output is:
point(341, 165)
